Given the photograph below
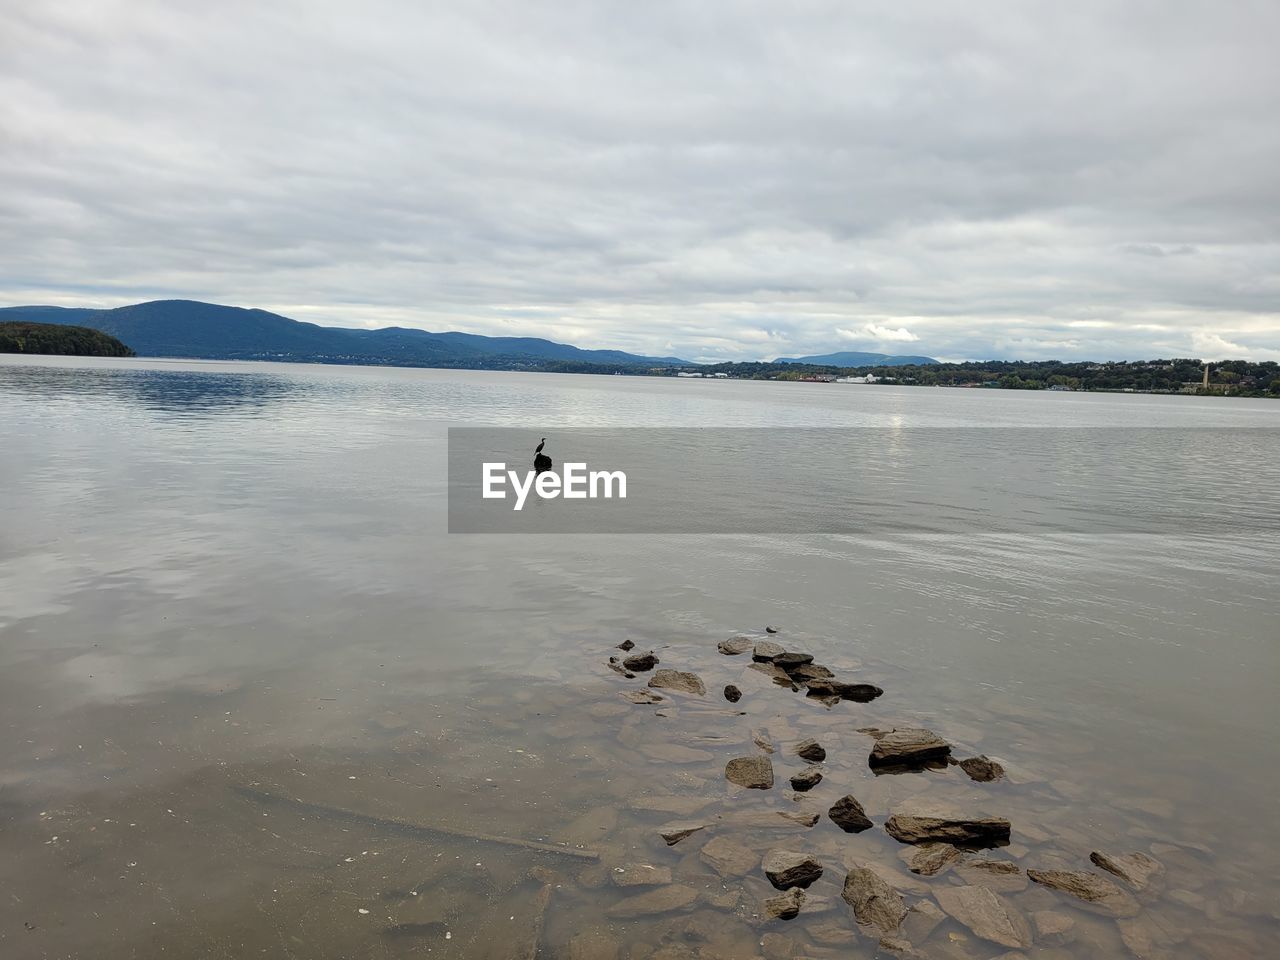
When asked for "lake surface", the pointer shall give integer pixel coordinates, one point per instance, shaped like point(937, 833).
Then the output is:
point(253, 693)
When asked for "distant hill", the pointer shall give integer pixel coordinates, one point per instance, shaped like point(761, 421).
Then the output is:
point(852, 358)
point(57, 338)
point(189, 328)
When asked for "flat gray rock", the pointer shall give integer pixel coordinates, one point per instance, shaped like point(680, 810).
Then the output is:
point(1096, 892)
point(640, 875)
point(930, 859)
point(790, 868)
point(673, 833)
point(755, 773)
point(920, 828)
point(909, 746)
point(766, 650)
point(987, 914)
point(728, 857)
point(662, 900)
point(735, 645)
point(641, 696)
point(848, 814)
point(678, 680)
point(1137, 868)
point(1002, 876)
point(874, 902)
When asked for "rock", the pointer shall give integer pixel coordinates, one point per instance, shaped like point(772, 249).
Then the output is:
point(678, 680)
point(641, 661)
point(732, 693)
point(908, 747)
point(662, 900)
point(676, 831)
point(1001, 876)
point(858, 692)
point(755, 773)
point(735, 645)
point(790, 661)
point(593, 945)
point(777, 947)
point(770, 629)
point(785, 906)
point(898, 945)
point(921, 920)
point(760, 737)
point(766, 650)
point(930, 859)
point(618, 668)
point(847, 814)
point(627, 645)
point(921, 828)
point(640, 875)
point(810, 671)
point(1098, 892)
point(982, 769)
point(728, 857)
point(987, 914)
point(806, 779)
point(787, 868)
point(874, 902)
point(779, 676)
point(1137, 868)
point(804, 819)
point(811, 750)
point(1053, 928)
point(641, 696)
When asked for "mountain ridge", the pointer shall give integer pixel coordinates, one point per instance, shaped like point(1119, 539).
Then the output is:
point(854, 358)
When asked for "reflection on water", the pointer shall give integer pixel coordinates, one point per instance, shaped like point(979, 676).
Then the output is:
point(258, 702)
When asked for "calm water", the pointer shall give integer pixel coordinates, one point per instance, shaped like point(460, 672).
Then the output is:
point(246, 677)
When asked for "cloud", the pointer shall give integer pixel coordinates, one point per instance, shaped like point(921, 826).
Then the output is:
point(739, 181)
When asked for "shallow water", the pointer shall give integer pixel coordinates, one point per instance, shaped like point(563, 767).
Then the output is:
point(247, 678)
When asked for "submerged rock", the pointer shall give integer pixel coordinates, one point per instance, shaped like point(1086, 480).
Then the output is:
point(857, 692)
point(1137, 868)
point(640, 875)
point(735, 645)
point(804, 819)
point(1097, 892)
point(673, 833)
point(678, 680)
point(921, 920)
point(1002, 876)
point(626, 645)
point(909, 747)
point(806, 779)
point(811, 671)
point(930, 859)
point(755, 773)
point(642, 696)
point(789, 868)
point(728, 857)
point(785, 906)
point(982, 769)
point(641, 662)
point(811, 750)
point(776, 674)
point(767, 651)
point(987, 914)
point(874, 902)
point(662, 900)
point(848, 814)
point(616, 666)
point(760, 737)
point(921, 828)
point(1053, 928)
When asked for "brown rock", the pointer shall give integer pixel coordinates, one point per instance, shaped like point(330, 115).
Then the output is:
point(857, 692)
point(874, 902)
point(755, 773)
point(641, 662)
point(806, 779)
point(1002, 876)
point(804, 819)
point(811, 750)
point(919, 828)
point(982, 769)
point(735, 645)
point(789, 868)
point(909, 747)
point(732, 693)
point(785, 906)
point(930, 859)
point(987, 914)
point(674, 832)
point(848, 814)
point(921, 920)
point(662, 900)
point(640, 875)
point(1137, 868)
point(642, 696)
point(728, 857)
point(766, 650)
point(775, 946)
point(678, 680)
point(1099, 893)
point(790, 661)
point(593, 945)
point(760, 737)
point(811, 671)
point(627, 645)
point(1053, 928)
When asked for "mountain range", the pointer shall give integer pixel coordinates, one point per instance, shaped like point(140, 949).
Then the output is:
point(211, 331)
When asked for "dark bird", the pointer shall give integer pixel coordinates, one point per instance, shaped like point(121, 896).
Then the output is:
point(538, 448)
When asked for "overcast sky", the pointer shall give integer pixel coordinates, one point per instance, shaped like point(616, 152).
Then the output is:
point(729, 180)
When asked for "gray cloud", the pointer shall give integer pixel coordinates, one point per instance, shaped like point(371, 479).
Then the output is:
point(718, 180)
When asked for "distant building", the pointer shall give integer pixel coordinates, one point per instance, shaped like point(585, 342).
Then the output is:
point(721, 376)
point(683, 373)
point(869, 378)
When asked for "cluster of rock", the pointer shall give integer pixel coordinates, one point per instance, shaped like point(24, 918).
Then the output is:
point(940, 840)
